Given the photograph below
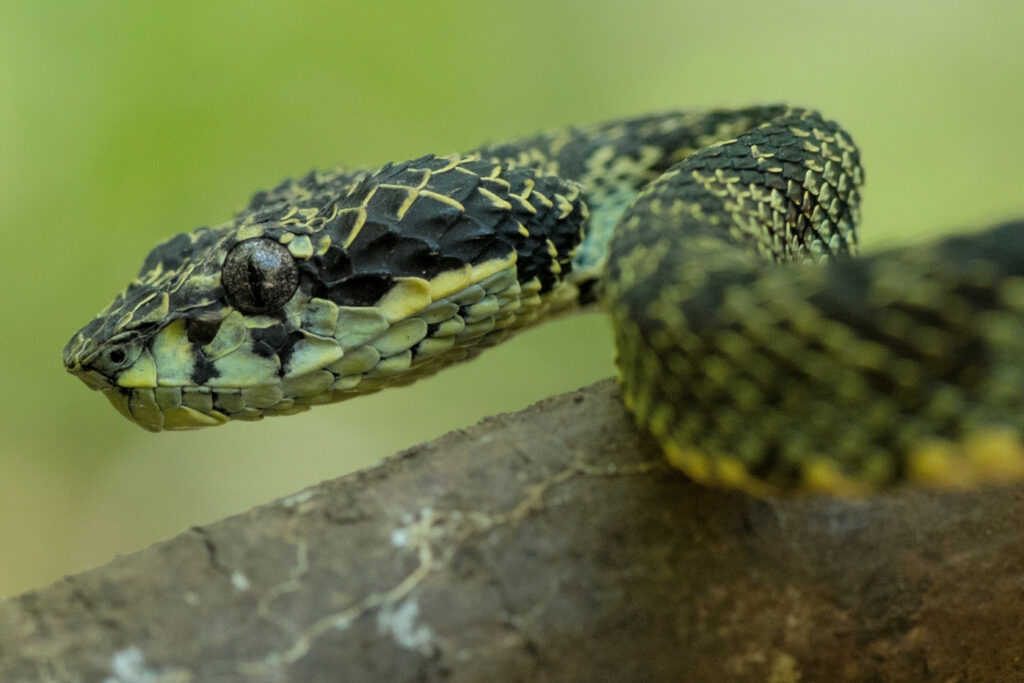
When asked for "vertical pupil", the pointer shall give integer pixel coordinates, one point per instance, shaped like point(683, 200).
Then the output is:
point(259, 275)
point(254, 274)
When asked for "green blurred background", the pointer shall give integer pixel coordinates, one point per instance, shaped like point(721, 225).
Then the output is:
point(122, 123)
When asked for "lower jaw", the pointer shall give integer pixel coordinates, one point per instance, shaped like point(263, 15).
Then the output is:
point(141, 406)
point(179, 408)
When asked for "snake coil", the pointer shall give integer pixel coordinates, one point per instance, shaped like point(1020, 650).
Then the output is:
point(903, 365)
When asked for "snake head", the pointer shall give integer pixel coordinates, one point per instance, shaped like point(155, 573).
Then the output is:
point(177, 286)
point(212, 314)
point(331, 286)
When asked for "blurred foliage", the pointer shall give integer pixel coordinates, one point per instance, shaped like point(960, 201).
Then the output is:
point(123, 123)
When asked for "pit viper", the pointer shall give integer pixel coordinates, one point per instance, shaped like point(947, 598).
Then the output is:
point(750, 343)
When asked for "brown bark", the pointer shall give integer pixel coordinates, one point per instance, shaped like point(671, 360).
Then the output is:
point(551, 544)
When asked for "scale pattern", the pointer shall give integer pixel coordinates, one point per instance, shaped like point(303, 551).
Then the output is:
point(904, 365)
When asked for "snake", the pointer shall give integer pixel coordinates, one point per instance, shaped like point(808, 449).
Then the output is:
point(752, 343)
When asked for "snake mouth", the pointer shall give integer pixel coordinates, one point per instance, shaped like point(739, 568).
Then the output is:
point(92, 379)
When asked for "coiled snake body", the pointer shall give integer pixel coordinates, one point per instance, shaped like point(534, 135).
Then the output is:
point(905, 365)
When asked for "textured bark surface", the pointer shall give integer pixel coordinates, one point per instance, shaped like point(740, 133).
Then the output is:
point(551, 544)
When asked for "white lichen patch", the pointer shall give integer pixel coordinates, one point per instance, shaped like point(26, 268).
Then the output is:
point(401, 622)
point(129, 666)
point(297, 498)
point(240, 581)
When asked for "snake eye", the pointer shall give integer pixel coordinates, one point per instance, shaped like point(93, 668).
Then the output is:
point(259, 275)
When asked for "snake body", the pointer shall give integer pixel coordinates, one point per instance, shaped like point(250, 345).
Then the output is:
point(904, 365)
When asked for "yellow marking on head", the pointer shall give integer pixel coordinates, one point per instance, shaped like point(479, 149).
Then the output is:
point(488, 268)
point(249, 231)
point(425, 179)
point(369, 196)
point(172, 353)
point(243, 368)
point(410, 196)
point(542, 198)
point(158, 310)
point(141, 373)
point(407, 296)
point(332, 214)
point(449, 282)
point(564, 206)
point(443, 199)
point(494, 199)
point(454, 161)
point(323, 244)
point(406, 203)
point(357, 224)
point(320, 317)
point(311, 353)
point(180, 278)
point(231, 334)
point(301, 247)
point(308, 214)
point(493, 177)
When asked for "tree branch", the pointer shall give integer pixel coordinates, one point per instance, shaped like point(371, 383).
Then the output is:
point(549, 544)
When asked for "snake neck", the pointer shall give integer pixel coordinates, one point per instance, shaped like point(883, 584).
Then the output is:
point(732, 169)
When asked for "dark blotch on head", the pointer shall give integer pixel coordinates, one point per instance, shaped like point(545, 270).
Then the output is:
point(271, 341)
point(203, 370)
point(360, 290)
point(180, 248)
point(201, 332)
